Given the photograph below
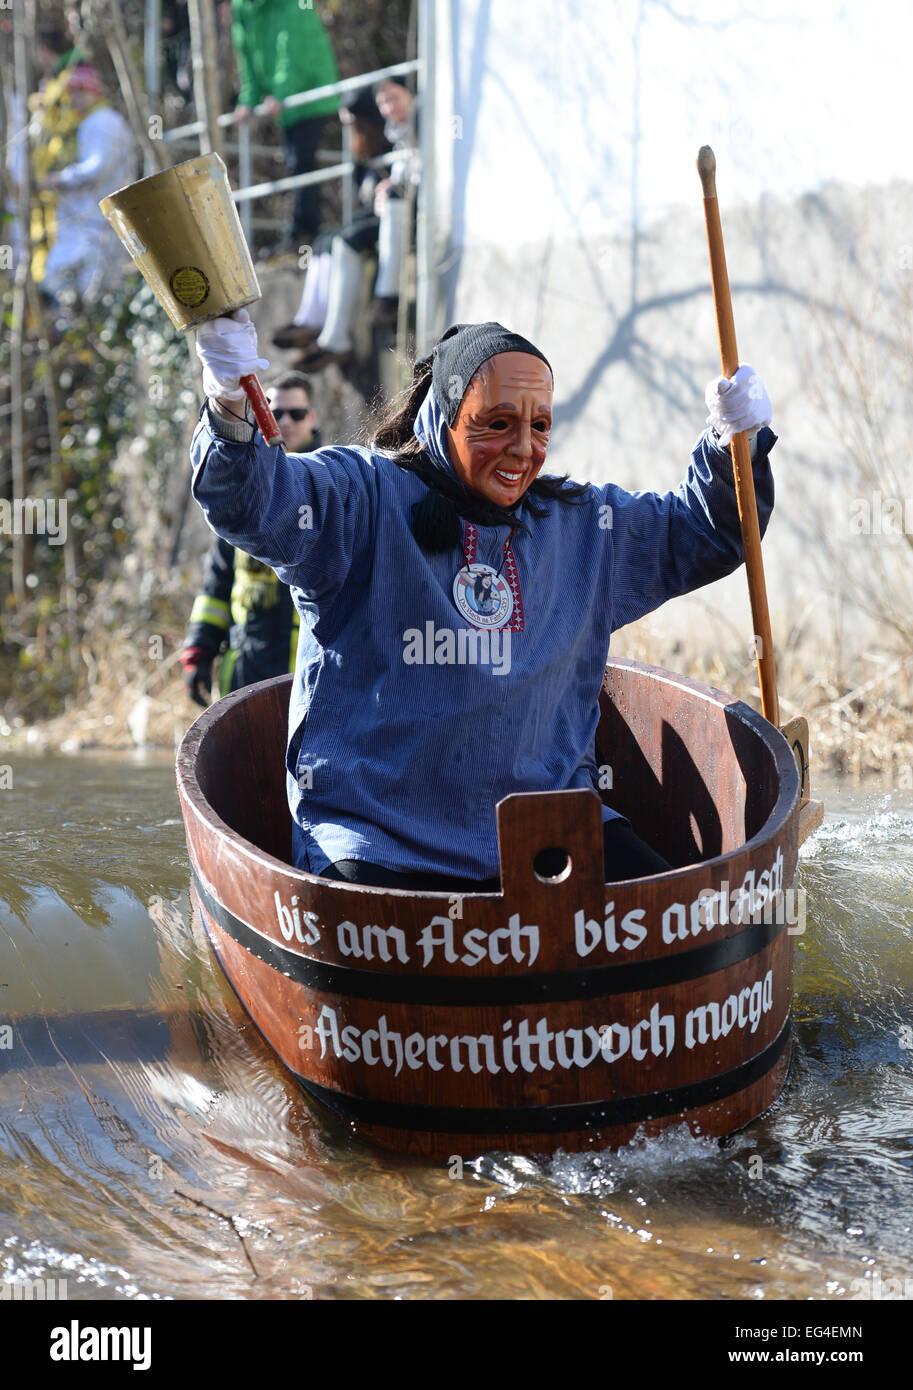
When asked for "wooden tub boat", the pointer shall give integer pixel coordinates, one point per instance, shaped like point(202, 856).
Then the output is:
point(561, 1012)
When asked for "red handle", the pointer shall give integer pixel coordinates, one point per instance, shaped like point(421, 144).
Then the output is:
point(264, 417)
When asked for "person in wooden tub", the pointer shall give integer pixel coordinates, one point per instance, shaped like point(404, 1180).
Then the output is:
point(416, 708)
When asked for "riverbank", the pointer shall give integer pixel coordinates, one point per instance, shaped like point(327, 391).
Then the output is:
point(131, 693)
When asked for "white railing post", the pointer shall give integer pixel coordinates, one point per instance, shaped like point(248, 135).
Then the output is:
point(348, 196)
point(152, 68)
point(245, 175)
point(425, 306)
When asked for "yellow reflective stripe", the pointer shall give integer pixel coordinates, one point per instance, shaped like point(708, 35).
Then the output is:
point(210, 610)
point(255, 590)
point(226, 667)
point(293, 640)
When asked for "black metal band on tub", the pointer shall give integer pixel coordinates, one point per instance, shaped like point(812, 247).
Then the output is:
point(553, 1119)
point(598, 982)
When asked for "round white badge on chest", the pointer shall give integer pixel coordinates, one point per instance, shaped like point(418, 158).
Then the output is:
point(483, 596)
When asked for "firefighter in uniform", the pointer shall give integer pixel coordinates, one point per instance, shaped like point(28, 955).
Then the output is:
point(242, 602)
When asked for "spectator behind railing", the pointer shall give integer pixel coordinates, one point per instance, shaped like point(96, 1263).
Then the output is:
point(360, 113)
point(176, 47)
point(97, 154)
point(283, 49)
point(335, 343)
point(401, 114)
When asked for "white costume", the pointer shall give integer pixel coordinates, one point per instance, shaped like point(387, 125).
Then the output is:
point(86, 251)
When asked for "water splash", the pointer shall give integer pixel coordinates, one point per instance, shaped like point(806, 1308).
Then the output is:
point(646, 1157)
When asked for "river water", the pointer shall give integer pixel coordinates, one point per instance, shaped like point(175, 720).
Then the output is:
point(153, 1148)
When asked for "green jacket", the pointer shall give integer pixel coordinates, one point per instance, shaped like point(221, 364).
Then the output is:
point(282, 49)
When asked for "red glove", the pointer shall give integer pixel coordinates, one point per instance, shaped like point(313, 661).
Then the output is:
point(196, 663)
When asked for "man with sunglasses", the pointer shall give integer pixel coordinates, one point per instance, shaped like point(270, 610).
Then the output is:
point(242, 602)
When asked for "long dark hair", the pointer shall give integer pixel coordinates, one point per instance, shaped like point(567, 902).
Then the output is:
point(436, 518)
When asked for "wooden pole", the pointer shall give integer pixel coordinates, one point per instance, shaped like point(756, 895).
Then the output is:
point(23, 44)
point(205, 51)
point(741, 452)
point(52, 410)
point(7, 108)
point(115, 33)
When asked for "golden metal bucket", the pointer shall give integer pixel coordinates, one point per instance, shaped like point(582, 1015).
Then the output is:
point(182, 229)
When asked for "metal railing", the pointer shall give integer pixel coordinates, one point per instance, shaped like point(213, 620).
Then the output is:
point(248, 191)
point(345, 84)
point(426, 289)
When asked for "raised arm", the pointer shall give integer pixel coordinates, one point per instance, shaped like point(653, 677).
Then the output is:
point(104, 151)
point(668, 544)
point(308, 516)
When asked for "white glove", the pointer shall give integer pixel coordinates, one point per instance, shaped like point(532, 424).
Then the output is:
point(227, 347)
point(738, 403)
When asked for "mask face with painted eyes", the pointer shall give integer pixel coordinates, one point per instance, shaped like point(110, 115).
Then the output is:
point(499, 438)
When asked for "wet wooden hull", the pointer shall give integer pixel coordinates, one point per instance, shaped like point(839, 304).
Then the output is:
point(554, 1014)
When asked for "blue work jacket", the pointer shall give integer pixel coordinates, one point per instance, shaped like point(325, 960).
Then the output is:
point(398, 750)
